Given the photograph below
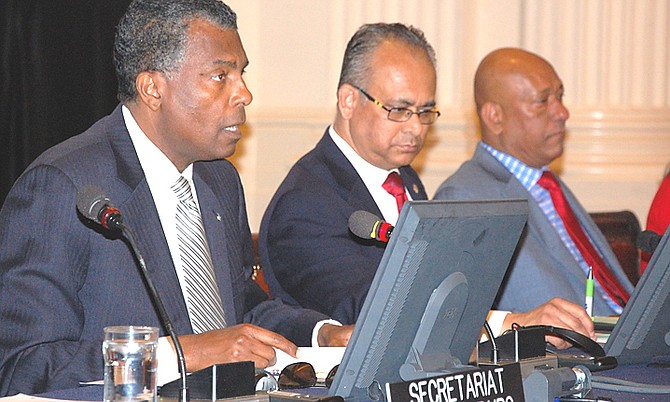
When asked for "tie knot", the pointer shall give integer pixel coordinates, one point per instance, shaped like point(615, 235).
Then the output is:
point(182, 189)
point(548, 181)
point(394, 184)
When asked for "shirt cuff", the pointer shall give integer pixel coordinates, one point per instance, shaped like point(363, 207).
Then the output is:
point(168, 367)
point(496, 319)
point(317, 327)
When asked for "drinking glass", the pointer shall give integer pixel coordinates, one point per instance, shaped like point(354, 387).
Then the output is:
point(130, 363)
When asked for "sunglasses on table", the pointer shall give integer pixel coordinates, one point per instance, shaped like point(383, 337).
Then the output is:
point(295, 375)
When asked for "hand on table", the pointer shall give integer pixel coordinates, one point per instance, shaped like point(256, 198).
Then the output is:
point(243, 342)
point(558, 313)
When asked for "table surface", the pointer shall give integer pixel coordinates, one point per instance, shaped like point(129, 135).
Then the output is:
point(657, 373)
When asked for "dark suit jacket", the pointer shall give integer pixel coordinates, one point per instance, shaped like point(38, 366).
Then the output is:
point(62, 279)
point(305, 240)
point(542, 267)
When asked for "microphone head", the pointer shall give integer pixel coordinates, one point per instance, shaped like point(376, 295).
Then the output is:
point(363, 224)
point(648, 240)
point(90, 202)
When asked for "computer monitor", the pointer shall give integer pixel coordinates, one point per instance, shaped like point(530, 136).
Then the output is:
point(643, 330)
point(431, 293)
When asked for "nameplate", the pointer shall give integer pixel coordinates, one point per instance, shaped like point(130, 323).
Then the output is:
point(491, 384)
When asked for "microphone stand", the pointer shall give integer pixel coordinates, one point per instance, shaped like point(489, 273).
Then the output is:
point(183, 391)
point(494, 347)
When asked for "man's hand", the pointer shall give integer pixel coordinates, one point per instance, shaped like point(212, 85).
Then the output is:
point(558, 313)
point(335, 335)
point(244, 342)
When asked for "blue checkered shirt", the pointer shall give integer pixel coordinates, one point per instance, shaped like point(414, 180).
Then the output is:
point(528, 178)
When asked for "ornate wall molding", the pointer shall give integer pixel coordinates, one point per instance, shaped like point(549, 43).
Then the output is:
point(613, 56)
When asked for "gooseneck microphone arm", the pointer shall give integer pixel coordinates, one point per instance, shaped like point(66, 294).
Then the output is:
point(183, 391)
point(94, 205)
point(492, 338)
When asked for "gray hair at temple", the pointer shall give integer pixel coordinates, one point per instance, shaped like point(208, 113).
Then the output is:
point(356, 66)
point(152, 36)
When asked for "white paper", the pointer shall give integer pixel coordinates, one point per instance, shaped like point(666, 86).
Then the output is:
point(322, 358)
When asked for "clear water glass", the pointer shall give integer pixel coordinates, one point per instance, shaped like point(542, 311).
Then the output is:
point(130, 363)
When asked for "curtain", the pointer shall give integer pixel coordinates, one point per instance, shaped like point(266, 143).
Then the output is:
point(56, 75)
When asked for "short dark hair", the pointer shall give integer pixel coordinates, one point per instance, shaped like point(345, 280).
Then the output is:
point(356, 64)
point(152, 36)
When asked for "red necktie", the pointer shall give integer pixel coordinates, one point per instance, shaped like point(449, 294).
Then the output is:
point(601, 271)
point(394, 186)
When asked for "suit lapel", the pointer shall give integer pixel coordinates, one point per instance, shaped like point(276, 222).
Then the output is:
point(597, 237)
point(347, 179)
point(546, 235)
point(133, 197)
point(413, 183)
point(141, 215)
point(356, 193)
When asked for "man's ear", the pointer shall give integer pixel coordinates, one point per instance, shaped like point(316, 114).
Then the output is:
point(149, 85)
point(492, 117)
point(347, 98)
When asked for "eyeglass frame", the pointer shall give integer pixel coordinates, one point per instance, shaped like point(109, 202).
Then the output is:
point(408, 112)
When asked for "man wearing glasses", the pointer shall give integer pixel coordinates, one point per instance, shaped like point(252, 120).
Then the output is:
point(385, 106)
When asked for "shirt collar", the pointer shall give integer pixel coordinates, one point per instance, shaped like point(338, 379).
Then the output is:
point(371, 175)
point(525, 174)
point(155, 164)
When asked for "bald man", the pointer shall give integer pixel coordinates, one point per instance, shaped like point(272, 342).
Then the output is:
point(519, 98)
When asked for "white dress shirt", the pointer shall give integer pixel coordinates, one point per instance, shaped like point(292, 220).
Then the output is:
point(161, 174)
point(373, 178)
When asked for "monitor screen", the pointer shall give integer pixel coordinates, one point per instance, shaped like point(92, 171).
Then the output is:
point(643, 330)
point(431, 293)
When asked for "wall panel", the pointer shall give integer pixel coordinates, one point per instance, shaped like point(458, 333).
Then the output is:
point(613, 56)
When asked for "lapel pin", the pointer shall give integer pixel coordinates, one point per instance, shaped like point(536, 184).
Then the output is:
point(415, 188)
point(218, 217)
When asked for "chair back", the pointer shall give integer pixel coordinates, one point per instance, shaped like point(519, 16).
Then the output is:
point(621, 229)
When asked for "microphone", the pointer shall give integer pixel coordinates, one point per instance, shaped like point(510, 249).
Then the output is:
point(647, 241)
point(367, 225)
point(96, 206)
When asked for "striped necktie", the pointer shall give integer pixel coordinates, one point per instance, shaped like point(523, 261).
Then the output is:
point(201, 292)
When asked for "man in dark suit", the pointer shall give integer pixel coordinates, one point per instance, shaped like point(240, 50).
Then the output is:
point(304, 237)
point(385, 105)
point(64, 278)
point(522, 118)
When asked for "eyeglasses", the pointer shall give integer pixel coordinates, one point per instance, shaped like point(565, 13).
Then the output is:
point(295, 375)
point(402, 114)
